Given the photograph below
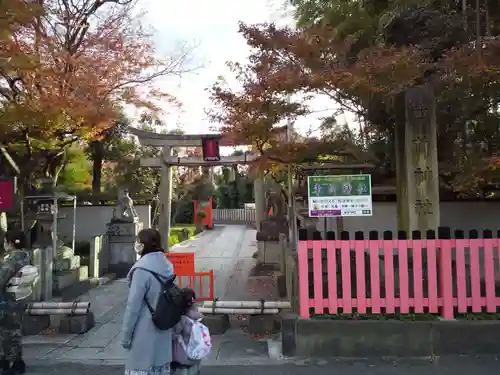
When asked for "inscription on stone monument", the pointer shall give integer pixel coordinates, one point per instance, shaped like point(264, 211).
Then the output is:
point(417, 154)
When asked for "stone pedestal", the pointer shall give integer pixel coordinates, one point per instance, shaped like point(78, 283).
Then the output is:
point(262, 324)
point(416, 160)
point(77, 324)
point(217, 324)
point(121, 239)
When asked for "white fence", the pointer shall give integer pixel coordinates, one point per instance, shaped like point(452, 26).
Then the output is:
point(234, 215)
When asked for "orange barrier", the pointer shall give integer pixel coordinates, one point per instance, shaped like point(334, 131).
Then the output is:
point(197, 281)
point(183, 263)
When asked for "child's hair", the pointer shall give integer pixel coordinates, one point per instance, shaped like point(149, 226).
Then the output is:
point(15, 238)
point(188, 297)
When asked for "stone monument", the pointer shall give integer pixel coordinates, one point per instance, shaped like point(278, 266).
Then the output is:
point(122, 231)
point(416, 160)
point(61, 267)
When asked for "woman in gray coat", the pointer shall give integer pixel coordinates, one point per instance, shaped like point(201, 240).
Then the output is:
point(150, 349)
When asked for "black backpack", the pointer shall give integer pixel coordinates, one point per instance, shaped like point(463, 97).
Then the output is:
point(168, 310)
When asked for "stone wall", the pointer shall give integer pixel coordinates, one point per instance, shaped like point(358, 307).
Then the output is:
point(91, 221)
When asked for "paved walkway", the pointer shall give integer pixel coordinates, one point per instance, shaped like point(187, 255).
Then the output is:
point(220, 249)
point(443, 366)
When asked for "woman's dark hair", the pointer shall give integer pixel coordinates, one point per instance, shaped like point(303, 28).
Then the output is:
point(151, 239)
point(16, 238)
point(188, 297)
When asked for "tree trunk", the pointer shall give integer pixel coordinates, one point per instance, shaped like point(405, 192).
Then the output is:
point(97, 159)
point(199, 225)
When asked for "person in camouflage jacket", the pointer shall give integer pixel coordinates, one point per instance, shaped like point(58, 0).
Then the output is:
point(11, 261)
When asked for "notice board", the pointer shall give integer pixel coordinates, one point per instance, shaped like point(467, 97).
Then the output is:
point(183, 263)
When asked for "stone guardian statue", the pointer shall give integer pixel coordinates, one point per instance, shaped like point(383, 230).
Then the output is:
point(124, 210)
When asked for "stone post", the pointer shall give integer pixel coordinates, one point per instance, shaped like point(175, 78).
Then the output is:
point(96, 248)
point(260, 199)
point(3, 225)
point(416, 160)
point(165, 200)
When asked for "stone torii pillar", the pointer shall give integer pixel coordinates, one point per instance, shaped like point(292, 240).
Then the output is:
point(165, 200)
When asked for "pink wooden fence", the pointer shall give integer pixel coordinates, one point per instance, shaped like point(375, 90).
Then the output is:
point(443, 276)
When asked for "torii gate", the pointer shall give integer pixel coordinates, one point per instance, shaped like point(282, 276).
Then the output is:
point(166, 160)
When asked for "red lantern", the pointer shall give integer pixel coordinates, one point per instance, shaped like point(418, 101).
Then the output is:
point(210, 146)
point(6, 194)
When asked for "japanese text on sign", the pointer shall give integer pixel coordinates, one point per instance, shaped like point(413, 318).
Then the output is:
point(183, 263)
point(338, 196)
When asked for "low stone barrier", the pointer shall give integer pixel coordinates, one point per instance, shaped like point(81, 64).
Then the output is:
point(321, 338)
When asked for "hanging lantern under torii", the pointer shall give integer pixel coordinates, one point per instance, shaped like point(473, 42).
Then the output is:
point(210, 147)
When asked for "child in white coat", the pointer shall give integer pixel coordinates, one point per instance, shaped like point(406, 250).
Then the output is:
point(181, 364)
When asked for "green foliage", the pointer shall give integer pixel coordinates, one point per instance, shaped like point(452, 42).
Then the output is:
point(181, 233)
point(124, 169)
point(76, 174)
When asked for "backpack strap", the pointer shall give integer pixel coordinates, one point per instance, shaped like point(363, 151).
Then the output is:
point(162, 282)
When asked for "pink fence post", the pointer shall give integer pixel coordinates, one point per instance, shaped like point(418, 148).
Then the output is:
point(446, 280)
point(390, 303)
point(404, 294)
point(318, 276)
point(331, 269)
point(418, 294)
point(360, 276)
point(302, 255)
point(430, 246)
point(345, 249)
point(461, 275)
point(375, 275)
point(489, 275)
point(475, 274)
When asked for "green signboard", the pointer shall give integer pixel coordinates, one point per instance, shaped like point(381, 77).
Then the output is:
point(337, 196)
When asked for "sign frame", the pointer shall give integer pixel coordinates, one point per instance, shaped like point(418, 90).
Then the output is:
point(346, 195)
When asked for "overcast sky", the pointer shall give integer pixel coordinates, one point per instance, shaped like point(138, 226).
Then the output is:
point(213, 27)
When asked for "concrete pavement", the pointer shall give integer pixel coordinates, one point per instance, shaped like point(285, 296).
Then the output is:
point(442, 366)
point(219, 249)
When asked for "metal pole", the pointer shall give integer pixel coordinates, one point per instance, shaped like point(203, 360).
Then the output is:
point(291, 216)
point(54, 228)
point(242, 311)
point(22, 215)
point(57, 305)
point(74, 223)
point(248, 304)
point(49, 255)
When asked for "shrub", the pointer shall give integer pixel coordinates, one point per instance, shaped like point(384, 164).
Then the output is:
point(179, 234)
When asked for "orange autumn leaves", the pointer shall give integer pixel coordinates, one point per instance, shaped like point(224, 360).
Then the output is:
point(71, 67)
